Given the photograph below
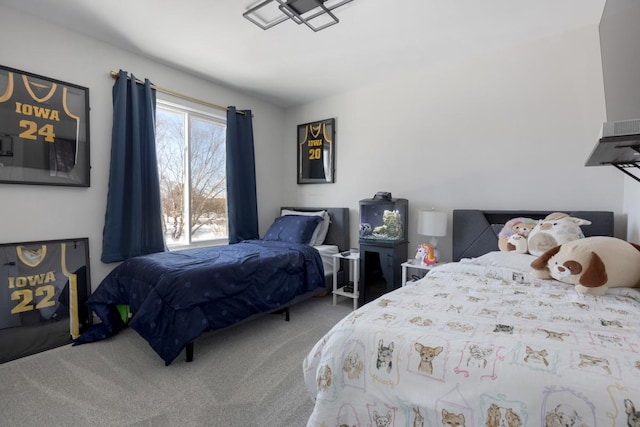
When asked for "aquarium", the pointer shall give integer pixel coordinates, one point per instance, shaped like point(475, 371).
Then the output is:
point(383, 219)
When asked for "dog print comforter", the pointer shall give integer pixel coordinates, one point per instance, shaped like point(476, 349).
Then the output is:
point(481, 345)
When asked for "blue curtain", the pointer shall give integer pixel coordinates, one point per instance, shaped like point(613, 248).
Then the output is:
point(242, 202)
point(133, 221)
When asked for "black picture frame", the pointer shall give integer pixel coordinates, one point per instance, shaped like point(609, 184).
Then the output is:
point(43, 298)
point(44, 130)
point(316, 160)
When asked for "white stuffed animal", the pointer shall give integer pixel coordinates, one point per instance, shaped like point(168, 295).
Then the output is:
point(557, 228)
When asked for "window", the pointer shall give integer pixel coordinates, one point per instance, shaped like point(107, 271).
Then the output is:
point(192, 166)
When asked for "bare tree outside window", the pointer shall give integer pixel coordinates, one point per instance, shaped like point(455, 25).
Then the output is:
point(192, 167)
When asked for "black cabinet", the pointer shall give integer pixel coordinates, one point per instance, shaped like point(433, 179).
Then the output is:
point(380, 269)
point(383, 244)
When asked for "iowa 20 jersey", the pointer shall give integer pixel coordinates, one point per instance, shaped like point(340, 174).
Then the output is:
point(35, 116)
point(315, 152)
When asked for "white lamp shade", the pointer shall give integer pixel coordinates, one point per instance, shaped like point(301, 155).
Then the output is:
point(432, 223)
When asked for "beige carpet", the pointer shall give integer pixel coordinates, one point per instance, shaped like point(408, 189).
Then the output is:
point(246, 375)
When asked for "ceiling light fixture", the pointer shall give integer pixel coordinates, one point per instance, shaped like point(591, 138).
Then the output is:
point(315, 14)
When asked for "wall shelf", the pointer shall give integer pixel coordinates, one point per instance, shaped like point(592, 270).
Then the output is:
point(622, 152)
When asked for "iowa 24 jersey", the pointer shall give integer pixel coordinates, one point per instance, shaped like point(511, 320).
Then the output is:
point(35, 116)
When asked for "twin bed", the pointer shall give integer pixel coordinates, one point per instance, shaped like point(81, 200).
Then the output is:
point(174, 297)
point(479, 342)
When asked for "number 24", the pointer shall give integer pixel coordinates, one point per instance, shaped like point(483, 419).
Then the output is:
point(31, 128)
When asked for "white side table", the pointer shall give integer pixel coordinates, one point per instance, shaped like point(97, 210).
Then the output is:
point(354, 269)
point(417, 266)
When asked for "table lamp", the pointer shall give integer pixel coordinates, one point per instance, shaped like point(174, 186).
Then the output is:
point(433, 223)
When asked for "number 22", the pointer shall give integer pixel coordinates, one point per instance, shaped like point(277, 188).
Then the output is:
point(25, 297)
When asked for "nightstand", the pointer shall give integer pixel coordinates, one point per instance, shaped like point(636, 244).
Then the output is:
point(354, 267)
point(417, 266)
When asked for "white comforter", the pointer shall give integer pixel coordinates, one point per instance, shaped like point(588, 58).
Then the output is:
point(481, 345)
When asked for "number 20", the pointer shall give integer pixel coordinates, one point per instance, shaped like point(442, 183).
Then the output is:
point(314, 153)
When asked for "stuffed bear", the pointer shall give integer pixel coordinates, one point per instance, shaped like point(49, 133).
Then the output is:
point(592, 264)
point(507, 240)
point(557, 228)
point(518, 244)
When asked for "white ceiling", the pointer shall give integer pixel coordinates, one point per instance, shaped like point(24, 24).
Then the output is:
point(289, 64)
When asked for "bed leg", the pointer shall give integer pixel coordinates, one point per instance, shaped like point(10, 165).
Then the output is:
point(283, 310)
point(190, 352)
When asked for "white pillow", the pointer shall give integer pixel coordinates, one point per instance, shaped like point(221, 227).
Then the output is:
point(320, 233)
point(513, 260)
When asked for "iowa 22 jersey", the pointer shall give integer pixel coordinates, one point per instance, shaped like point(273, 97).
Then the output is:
point(33, 279)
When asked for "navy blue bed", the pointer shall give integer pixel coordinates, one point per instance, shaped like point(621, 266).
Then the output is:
point(177, 296)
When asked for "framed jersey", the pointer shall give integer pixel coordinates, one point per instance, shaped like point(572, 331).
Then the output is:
point(316, 152)
point(44, 130)
point(44, 288)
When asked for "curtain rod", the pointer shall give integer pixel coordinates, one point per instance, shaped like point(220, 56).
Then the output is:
point(115, 75)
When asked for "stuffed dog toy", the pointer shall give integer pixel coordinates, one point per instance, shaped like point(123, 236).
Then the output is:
point(592, 264)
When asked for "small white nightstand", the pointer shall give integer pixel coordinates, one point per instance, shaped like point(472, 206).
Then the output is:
point(415, 265)
point(354, 268)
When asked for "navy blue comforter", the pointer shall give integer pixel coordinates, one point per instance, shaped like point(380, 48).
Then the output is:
point(176, 296)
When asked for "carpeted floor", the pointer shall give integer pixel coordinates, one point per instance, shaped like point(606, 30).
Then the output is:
point(246, 375)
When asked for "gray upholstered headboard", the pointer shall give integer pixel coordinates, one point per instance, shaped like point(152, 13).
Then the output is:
point(338, 233)
point(475, 232)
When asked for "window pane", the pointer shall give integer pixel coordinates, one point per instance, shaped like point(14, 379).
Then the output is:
point(208, 180)
point(192, 168)
point(171, 150)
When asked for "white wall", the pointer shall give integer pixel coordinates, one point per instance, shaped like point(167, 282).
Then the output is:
point(619, 35)
point(632, 207)
point(510, 130)
point(34, 212)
